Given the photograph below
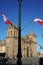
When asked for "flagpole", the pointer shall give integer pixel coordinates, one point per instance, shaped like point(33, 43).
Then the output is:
point(19, 54)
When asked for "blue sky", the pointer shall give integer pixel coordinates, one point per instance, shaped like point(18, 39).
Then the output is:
point(30, 10)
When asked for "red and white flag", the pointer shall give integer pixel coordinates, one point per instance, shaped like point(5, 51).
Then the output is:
point(6, 19)
point(38, 20)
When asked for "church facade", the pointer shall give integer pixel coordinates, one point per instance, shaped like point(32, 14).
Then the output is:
point(9, 46)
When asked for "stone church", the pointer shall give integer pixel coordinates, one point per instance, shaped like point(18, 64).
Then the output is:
point(9, 46)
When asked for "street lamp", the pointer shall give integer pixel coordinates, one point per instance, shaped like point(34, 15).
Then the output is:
point(19, 55)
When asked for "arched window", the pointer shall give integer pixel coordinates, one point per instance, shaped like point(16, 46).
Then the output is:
point(11, 33)
point(15, 33)
point(27, 52)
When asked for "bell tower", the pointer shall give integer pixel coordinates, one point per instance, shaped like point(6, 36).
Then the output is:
point(32, 41)
point(11, 40)
point(12, 32)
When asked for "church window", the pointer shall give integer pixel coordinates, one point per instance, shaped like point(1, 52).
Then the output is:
point(27, 52)
point(11, 33)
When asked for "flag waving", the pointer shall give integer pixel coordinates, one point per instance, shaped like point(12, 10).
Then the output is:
point(38, 20)
point(6, 19)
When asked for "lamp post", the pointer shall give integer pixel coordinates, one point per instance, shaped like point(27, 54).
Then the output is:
point(19, 55)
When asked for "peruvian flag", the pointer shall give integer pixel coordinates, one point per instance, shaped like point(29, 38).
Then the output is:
point(6, 19)
point(38, 20)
